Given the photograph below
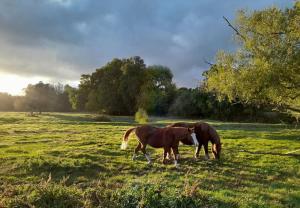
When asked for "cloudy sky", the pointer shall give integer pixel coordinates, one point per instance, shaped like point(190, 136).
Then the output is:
point(58, 40)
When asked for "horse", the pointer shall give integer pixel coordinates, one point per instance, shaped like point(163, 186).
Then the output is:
point(204, 133)
point(167, 138)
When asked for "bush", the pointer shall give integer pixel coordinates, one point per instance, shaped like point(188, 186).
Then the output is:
point(100, 197)
point(133, 195)
point(46, 195)
point(156, 196)
point(56, 195)
point(141, 116)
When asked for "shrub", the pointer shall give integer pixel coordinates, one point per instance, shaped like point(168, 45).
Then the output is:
point(156, 196)
point(99, 197)
point(56, 195)
point(141, 116)
point(46, 195)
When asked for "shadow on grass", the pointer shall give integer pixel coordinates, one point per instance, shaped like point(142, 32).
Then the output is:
point(297, 156)
point(9, 120)
point(63, 168)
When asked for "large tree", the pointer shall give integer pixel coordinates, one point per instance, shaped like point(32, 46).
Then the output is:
point(39, 97)
point(158, 90)
point(44, 97)
point(115, 87)
point(123, 85)
point(6, 102)
point(266, 67)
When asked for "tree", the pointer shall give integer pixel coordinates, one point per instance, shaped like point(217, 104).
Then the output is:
point(106, 82)
point(71, 92)
point(266, 68)
point(6, 102)
point(115, 87)
point(83, 92)
point(44, 97)
point(39, 97)
point(62, 102)
point(158, 90)
point(132, 79)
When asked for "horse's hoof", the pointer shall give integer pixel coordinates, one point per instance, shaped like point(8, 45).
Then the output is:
point(206, 158)
point(133, 157)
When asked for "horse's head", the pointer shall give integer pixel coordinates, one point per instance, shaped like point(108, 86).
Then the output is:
point(192, 136)
point(216, 149)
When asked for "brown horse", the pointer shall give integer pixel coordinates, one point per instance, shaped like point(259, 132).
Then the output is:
point(204, 133)
point(167, 138)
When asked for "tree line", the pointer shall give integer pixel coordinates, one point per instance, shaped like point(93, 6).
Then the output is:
point(121, 87)
point(263, 75)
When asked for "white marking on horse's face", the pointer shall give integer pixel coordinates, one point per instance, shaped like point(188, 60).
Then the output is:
point(195, 141)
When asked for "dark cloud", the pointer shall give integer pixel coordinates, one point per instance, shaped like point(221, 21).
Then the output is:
point(64, 38)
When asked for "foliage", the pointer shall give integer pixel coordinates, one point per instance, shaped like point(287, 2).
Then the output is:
point(45, 97)
point(72, 95)
point(141, 116)
point(158, 90)
point(124, 85)
point(155, 195)
point(6, 102)
point(266, 68)
point(47, 195)
point(202, 104)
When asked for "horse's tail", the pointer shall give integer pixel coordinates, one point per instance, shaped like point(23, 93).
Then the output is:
point(125, 138)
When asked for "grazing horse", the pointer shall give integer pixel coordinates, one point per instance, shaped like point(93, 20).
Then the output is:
point(167, 138)
point(204, 133)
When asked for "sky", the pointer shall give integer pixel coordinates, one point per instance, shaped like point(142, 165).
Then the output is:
point(58, 40)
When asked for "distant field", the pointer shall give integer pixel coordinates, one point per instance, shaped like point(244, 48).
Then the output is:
point(70, 160)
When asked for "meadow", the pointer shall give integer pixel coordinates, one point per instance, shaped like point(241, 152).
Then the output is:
point(71, 160)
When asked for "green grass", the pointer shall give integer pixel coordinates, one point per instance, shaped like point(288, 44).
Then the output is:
point(70, 160)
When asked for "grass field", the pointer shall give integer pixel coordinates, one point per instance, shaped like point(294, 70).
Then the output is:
point(69, 160)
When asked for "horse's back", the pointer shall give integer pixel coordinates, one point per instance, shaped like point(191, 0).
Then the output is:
point(206, 132)
point(145, 131)
point(181, 124)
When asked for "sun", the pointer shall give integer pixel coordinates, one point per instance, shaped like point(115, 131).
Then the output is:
point(14, 84)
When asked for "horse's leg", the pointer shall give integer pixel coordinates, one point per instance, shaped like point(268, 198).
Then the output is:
point(176, 155)
point(143, 149)
point(136, 150)
point(206, 150)
point(198, 150)
point(166, 152)
point(213, 151)
point(169, 155)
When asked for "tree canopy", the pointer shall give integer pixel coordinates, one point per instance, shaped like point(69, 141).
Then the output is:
point(123, 85)
point(266, 67)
